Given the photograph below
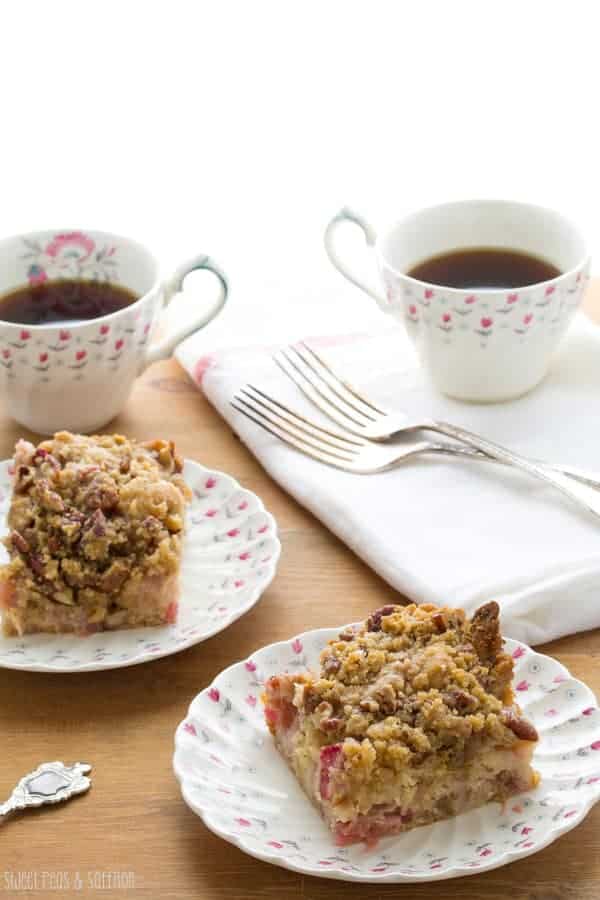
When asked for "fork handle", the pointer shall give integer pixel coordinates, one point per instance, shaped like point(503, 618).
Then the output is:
point(582, 475)
point(581, 493)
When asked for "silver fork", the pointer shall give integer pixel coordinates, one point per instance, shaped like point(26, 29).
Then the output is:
point(354, 454)
point(358, 415)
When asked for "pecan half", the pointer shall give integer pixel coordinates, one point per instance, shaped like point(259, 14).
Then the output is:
point(101, 496)
point(331, 665)
point(519, 726)
point(374, 620)
point(19, 542)
point(346, 636)
point(485, 632)
point(439, 622)
point(460, 700)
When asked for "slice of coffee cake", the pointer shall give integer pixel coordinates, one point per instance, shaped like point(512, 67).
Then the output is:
point(411, 719)
point(96, 526)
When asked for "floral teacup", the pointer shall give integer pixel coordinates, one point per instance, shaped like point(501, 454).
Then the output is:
point(77, 375)
point(481, 345)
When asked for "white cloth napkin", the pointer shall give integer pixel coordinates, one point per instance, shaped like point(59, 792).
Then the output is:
point(442, 530)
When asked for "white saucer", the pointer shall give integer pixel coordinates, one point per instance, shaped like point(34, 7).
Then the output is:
point(234, 779)
point(230, 555)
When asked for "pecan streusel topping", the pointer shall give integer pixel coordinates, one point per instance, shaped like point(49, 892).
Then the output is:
point(413, 681)
point(90, 512)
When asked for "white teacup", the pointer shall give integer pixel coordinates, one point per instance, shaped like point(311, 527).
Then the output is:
point(78, 375)
point(481, 345)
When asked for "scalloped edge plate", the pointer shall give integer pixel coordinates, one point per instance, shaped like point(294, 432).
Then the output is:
point(230, 555)
point(233, 778)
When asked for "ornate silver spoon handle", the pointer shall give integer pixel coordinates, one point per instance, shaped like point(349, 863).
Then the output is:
point(51, 782)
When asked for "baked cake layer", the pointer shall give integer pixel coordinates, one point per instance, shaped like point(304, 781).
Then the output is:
point(410, 719)
point(96, 526)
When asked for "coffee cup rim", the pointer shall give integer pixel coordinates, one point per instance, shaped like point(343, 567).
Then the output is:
point(112, 235)
point(405, 220)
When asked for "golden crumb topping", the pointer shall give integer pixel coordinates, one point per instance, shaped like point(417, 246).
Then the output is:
point(87, 513)
point(410, 682)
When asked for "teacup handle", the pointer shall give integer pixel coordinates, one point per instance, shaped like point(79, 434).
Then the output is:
point(164, 348)
point(348, 215)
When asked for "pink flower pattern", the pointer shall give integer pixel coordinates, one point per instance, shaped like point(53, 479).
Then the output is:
point(61, 242)
point(563, 298)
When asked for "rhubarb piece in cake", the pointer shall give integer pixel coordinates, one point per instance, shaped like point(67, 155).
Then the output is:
point(410, 719)
point(95, 535)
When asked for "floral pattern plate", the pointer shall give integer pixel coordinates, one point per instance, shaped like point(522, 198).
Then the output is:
point(233, 778)
point(230, 555)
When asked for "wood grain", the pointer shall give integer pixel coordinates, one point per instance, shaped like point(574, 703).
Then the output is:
point(133, 819)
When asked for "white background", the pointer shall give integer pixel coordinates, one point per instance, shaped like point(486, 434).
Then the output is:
point(238, 129)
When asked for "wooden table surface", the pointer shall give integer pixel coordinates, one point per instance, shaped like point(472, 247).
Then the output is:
point(133, 819)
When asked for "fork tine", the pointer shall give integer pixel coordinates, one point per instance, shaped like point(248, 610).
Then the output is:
point(344, 437)
point(330, 383)
point(299, 434)
point(335, 461)
point(349, 387)
point(328, 403)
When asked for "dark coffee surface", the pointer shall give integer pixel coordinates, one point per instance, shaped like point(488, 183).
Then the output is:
point(484, 267)
point(63, 301)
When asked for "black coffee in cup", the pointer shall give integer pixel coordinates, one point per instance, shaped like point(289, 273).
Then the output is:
point(477, 268)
